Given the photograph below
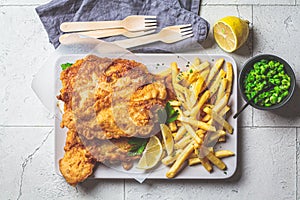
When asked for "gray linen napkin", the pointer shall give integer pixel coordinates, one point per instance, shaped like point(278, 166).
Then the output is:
point(168, 12)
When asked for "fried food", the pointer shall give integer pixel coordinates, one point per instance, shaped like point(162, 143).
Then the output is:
point(100, 92)
point(203, 96)
point(77, 163)
point(107, 101)
point(81, 155)
point(112, 152)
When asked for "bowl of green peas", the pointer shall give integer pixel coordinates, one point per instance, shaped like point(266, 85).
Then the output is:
point(261, 72)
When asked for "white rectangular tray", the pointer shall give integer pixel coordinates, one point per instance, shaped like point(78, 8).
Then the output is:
point(156, 63)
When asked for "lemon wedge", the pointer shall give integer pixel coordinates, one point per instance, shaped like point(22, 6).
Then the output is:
point(167, 138)
point(231, 33)
point(151, 155)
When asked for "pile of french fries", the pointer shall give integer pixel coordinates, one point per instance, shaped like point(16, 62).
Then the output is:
point(202, 92)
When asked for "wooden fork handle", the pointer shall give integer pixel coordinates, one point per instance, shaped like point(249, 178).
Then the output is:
point(94, 34)
point(87, 26)
point(134, 42)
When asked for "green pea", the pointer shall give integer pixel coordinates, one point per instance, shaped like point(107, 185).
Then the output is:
point(256, 66)
point(279, 99)
point(285, 94)
point(273, 99)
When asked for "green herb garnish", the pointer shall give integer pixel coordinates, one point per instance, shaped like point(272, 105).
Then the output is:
point(66, 66)
point(137, 146)
point(167, 115)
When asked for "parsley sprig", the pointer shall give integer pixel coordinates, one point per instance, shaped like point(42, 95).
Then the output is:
point(167, 115)
point(66, 65)
point(137, 146)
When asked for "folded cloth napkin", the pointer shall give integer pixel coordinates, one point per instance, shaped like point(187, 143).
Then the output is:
point(168, 12)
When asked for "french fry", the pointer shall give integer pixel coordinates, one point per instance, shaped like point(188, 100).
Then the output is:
point(202, 66)
point(197, 123)
point(180, 160)
point(229, 72)
point(181, 76)
point(179, 124)
point(197, 86)
point(222, 122)
point(213, 137)
point(194, 161)
point(222, 139)
point(179, 88)
point(222, 103)
point(168, 160)
point(205, 73)
point(216, 161)
point(206, 164)
point(196, 62)
point(221, 90)
point(213, 88)
point(214, 70)
point(200, 103)
point(175, 71)
point(224, 111)
point(206, 118)
point(223, 153)
point(183, 142)
point(192, 132)
point(173, 126)
point(200, 133)
point(175, 103)
point(187, 113)
point(207, 110)
point(193, 76)
point(180, 133)
point(193, 155)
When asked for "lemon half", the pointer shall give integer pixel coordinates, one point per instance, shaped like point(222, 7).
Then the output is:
point(231, 33)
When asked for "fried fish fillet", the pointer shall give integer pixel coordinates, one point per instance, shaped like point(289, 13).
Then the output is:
point(80, 157)
point(110, 98)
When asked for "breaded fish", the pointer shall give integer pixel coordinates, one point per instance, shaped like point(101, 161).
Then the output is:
point(110, 98)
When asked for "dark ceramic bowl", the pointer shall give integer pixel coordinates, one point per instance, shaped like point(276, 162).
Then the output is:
point(249, 66)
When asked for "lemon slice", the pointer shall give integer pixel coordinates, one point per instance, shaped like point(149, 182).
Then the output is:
point(231, 33)
point(167, 138)
point(151, 155)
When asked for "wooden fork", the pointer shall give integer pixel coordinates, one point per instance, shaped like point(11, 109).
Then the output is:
point(130, 23)
point(63, 39)
point(169, 34)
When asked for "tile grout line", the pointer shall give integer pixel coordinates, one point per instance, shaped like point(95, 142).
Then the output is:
point(296, 165)
point(21, 5)
point(27, 126)
point(268, 126)
point(124, 193)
